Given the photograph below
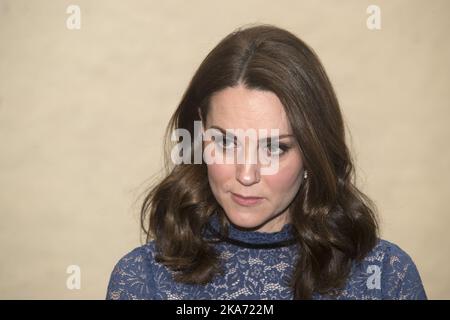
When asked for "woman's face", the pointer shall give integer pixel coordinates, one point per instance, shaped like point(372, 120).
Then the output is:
point(242, 108)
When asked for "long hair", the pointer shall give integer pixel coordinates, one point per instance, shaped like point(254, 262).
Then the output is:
point(335, 223)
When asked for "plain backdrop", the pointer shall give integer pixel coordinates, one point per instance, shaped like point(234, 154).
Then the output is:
point(83, 113)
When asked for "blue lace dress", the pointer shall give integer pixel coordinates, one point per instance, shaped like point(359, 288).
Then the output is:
point(255, 269)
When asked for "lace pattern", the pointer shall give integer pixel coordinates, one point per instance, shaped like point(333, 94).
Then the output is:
point(387, 272)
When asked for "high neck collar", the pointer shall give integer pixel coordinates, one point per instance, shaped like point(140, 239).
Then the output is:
point(256, 239)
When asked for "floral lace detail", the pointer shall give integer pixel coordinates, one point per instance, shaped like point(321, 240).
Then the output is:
point(387, 272)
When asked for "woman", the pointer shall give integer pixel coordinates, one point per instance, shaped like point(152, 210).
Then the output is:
point(227, 231)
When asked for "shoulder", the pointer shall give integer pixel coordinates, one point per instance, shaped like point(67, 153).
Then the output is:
point(131, 275)
point(386, 251)
point(139, 257)
point(393, 272)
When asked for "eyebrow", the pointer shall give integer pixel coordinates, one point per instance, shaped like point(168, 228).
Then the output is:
point(224, 132)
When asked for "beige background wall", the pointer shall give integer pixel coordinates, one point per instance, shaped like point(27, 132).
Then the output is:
point(82, 114)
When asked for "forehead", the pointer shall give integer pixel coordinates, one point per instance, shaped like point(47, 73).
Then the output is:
point(242, 108)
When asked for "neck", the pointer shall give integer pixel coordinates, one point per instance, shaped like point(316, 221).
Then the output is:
point(276, 223)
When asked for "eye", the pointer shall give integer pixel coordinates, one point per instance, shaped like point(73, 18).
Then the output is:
point(280, 150)
point(224, 142)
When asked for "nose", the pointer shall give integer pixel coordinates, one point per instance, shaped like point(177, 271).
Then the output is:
point(248, 173)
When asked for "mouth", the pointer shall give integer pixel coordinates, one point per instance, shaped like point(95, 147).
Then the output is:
point(245, 201)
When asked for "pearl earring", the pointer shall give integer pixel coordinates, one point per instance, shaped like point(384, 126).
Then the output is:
point(305, 174)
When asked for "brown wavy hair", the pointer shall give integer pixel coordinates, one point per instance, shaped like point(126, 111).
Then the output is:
point(335, 223)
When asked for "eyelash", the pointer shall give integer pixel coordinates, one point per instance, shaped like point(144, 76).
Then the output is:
point(282, 146)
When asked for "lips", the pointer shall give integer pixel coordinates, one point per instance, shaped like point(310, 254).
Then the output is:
point(245, 201)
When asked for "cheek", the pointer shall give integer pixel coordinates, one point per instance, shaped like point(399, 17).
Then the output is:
point(219, 176)
point(287, 179)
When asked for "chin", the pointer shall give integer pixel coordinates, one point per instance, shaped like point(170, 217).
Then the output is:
point(245, 220)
